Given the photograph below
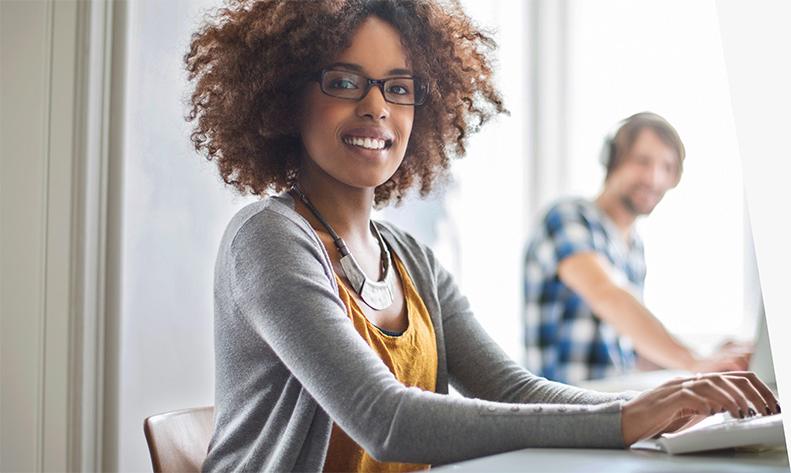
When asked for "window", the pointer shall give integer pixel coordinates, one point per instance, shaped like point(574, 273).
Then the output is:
point(666, 56)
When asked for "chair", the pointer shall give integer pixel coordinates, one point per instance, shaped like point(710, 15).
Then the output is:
point(178, 440)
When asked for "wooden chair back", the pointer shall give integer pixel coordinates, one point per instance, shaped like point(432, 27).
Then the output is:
point(178, 440)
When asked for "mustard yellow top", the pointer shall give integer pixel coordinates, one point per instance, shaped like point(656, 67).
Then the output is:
point(411, 357)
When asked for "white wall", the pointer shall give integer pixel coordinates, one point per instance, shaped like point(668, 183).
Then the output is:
point(38, 258)
point(22, 322)
point(174, 209)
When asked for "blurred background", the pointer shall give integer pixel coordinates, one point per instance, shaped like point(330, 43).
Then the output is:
point(109, 240)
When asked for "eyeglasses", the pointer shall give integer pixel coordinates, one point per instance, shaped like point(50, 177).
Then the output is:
point(401, 90)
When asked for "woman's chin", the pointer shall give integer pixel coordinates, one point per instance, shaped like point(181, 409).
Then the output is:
point(369, 183)
point(369, 177)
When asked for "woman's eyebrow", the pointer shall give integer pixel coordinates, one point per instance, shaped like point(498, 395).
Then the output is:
point(359, 68)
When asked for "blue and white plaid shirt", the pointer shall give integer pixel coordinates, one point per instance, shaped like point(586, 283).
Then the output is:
point(564, 340)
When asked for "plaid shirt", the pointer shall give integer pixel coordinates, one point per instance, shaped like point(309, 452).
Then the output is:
point(563, 339)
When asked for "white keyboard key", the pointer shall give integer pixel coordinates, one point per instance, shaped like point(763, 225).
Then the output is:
point(717, 432)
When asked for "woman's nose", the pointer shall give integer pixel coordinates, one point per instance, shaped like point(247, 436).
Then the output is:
point(373, 105)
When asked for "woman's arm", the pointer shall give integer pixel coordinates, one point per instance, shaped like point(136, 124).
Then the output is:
point(478, 367)
point(282, 290)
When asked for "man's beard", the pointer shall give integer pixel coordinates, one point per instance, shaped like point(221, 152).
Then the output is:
point(634, 209)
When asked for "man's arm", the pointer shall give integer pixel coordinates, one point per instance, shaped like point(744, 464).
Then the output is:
point(587, 274)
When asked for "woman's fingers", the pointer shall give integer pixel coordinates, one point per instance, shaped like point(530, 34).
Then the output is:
point(658, 410)
point(739, 397)
point(747, 390)
point(767, 397)
point(681, 401)
point(690, 402)
point(719, 398)
point(674, 382)
point(708, 386)
point(766, 393)
point(678, 408)
point(744, 388)
point(750, 392)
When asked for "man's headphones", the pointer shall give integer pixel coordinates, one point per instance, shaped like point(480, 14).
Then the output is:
point(609, 147)
point(607, 153)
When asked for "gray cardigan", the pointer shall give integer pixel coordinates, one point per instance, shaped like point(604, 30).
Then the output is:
point(289, 363)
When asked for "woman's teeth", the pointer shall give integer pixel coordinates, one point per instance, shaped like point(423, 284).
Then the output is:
point(367, 143)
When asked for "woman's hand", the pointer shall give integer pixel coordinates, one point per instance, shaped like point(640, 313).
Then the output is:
point(683, 401)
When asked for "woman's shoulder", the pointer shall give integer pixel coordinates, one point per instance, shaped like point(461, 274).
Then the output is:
point(269, 222)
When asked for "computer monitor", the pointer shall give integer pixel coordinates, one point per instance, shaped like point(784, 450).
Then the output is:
point(761, 360)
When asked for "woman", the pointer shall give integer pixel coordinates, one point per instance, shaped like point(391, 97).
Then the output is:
point(336, 337)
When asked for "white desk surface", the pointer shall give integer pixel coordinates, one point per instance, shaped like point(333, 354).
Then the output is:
point(565, 460)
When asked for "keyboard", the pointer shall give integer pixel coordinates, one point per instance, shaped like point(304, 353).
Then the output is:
point(718, 432)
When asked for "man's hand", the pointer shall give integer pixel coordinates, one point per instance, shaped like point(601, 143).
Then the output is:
point(730, 356)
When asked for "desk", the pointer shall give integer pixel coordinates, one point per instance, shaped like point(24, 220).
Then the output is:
point(566, 460)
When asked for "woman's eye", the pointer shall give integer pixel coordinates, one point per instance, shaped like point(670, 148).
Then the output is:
point(399, 90)
point(343, 84)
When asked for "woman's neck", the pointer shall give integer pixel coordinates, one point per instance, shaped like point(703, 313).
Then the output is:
point(347, 209)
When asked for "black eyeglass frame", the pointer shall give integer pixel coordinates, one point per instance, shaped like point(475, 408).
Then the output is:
point(379, 83)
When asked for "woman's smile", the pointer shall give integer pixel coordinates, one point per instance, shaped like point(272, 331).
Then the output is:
point(368, 142)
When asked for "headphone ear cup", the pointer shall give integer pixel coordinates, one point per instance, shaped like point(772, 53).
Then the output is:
point(607, 151)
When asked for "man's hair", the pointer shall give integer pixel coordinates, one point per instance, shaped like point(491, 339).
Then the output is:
point(619, 144)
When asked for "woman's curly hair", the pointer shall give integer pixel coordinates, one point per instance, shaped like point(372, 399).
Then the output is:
point(252, 60)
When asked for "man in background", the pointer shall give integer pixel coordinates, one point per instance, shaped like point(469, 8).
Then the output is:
point(585, 269)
